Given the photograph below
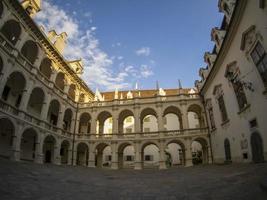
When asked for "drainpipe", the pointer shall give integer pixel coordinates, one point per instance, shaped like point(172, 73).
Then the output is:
point(209, 134)
point(74, 133)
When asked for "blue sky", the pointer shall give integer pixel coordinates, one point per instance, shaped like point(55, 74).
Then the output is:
point(127, 41)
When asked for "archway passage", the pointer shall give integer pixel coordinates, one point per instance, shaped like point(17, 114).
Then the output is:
point(85, 123)
point(67, 120)
point(104, 125)
point(30, 51)
point(14, 89)
point(28, 145)
point(11, 30)
point(45, 68)
point(36, 101)
point(82, 154)
point(103, 155)
point(200, 153)
point(195, 119)
point(65, 152)
point(48, 149)
point(7, 131)
point(149, 121)
point(126, 122)
point(172, 118)
point(126, 156)
point(53, 112)
point(227, 150)
point(175, 154)
point(257, 148)
point(150, 156)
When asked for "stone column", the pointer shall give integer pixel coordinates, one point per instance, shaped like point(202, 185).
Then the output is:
point(114, 157)
point(138, 155)
point(57, 156)
point(137, 123)
point(66, 90)
point(209, 155)
point(162, 159)
point(184, 117)
point(73, 125)
point(16, 140)
point(91, 162)
point(61, 116)
point(115, 126)
point(188, 153)
point(38, 61)
point(69, 155)
point(93, 126)
point(26, 96)
point(45, 107)
point(39, 149)
point(53, 78)
point(74, 158)
point(24, 36)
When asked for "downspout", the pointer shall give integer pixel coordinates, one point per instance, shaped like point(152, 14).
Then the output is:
point(74, 134)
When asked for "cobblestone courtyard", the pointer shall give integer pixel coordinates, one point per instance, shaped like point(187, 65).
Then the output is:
point(32, 181)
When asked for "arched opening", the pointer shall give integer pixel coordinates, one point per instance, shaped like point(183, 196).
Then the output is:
point(45, 68)
point(199, 151)
point(149, 121)
point(103, 155)
point(67, 119)
point(53, 112)
point(36, 101)
point(150, 155)
point(175, 154)
point(126, 122)
point(14, 89)
point(194, 116)
point(257, 148)
point(126, 156)
point(7, 131)
point(60, 81)
point(11, 30)
point(85, 123)
point(82, 154)
point(65, 152)
point(81, 98)
point(72, 91)
point(1, 65)
point(104, 123)
point(172, 118)
point(1, 8)
point(48, 149)
point(227, 151)
point(30, 51)
point(28, 145)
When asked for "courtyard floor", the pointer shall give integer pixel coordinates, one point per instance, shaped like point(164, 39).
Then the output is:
point(22, 180)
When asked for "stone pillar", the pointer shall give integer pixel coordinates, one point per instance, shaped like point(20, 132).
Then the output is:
point(115, 126)
point(184, 117)
point(66, 89)
point(69, 155)
point(188, 153)
point(61, 116)
point(209, 155)
point(114, 157)
point(93, 127)
point(39, 59)
point(162, 159)
point(137, 123)
point(74, 157)
point(73, 125)
point(39, 149)
point(22, 39)
point(53, 78)
point(45, 107)
point(26, 96)
point(57, 156)
point(5, 18)
point(16, 140)
point(91, 162)
point(138, 157)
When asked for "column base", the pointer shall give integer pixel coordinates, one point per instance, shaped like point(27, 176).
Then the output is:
point(162, 165)
point(91, 164)
point(114, 165)
point(15, 156)
point(138, 166)
point(188, 163)
point(39, 159)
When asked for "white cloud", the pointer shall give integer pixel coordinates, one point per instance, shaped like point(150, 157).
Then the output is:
point(144, 51)
point(146, 71)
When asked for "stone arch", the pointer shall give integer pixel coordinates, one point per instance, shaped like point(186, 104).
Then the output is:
point(176, 150)
point(14, 88)
point(102, 156)
point(67, 120)
point(227, 150)
point(149, 120)
point(194, 115)
point(35, 103)
point(82, 154)
point(85, 123)
point(53, 112)
point(46, 68)
point(65, 151)
point(257, 147)
point(72, 91)
point(49, 146)
point(104, 120)
point(30, 51)
point(150, 155)
point(126, 121)
point(29, 139)
point(126, 155)
point(11, 30)
point(171, 122)
point(7, 131)
point(60, 81)
point(200, 150)
point(1, 8)
point(1, 64)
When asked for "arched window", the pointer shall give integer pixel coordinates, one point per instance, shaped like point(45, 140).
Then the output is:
point(11, 30)
point(30, 51)
point(45, 68)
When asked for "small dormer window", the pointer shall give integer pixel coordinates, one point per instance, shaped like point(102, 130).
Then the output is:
point(226, 8)
point(217, 39)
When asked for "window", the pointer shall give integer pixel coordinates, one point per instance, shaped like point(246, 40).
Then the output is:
point(211, 116)
point(240, 94)
point(5, 93)
point(108, 158)
point(148, 158)
point(129, 158)
point(259, 58)
point(226, 8)
point(222, 108)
